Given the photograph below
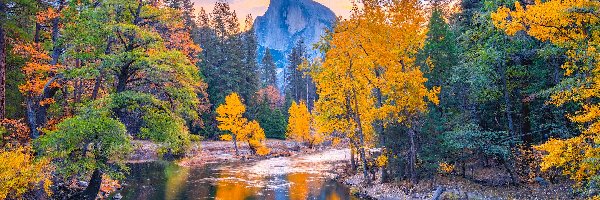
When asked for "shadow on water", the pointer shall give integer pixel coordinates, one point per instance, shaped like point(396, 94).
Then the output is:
point(166, 180)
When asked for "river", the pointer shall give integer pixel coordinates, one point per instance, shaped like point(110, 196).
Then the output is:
point(300, 177)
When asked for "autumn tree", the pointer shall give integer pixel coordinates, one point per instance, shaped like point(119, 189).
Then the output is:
point(572, 25)
point(230, 119)
point(299, 125)
point(238, 128)
point(368, 70)
point(40, 68)
point(125, 74)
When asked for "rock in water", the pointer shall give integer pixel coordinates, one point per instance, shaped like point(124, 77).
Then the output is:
point(288, 21)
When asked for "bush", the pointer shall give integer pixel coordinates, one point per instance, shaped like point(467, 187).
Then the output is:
point(21, 173)
point(85, 143)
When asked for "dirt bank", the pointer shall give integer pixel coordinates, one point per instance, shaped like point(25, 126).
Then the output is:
point(453, 187)
point(205, 152)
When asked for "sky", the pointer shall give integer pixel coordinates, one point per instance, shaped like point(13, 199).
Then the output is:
point(258, 7)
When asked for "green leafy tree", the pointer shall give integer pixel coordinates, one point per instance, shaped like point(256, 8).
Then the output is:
point(91, 143)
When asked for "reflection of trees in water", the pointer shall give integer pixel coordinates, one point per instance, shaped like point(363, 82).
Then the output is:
point(298, 186)
point(313, 186)
point(233, 186)
point(164, 180)
point(332, 190)
point(176, 178)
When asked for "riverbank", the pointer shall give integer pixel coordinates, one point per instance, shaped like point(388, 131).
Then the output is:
point(208, 152)
point(333, 162)
point(451, 187)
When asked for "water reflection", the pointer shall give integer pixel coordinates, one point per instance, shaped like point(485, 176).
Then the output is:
point(164, 180)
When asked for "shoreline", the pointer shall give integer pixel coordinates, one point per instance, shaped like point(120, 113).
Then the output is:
point(452, 186)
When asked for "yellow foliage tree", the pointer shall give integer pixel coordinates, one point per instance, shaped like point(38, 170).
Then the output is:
point(256, 138)
point(299, 125)
point(369, 73)
point(575, 26)
point(20, 173)
point(230, 119)
point(229, 116)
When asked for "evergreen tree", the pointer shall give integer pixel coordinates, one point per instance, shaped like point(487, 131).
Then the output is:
point(229, 57)
point(268, 71)
point(296, 83)
point(187, 12)
point(249, 72)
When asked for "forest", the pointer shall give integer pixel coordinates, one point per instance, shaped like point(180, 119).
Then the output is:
point(427, 97)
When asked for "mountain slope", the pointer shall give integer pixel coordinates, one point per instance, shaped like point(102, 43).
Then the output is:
point(288, 21)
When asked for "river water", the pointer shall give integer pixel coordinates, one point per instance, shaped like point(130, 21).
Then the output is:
point(304, 177)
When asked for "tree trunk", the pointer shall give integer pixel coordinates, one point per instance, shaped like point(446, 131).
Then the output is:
point(412, 156)
point(508, 103)
point(91, 191)
point(511, 128)
point(2, 66)
point(97, 85)
point(361, 148)
point(526, 128)
point(237, 152)
point(31, 118)
point(56, 49)
point(352, 159)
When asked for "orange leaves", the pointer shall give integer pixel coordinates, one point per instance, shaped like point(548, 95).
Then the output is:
point(229, 114)
point(256, 137)
point(445, 168)
point(13, 132)
point(46, 15)
point(560, 22)
point(370, 71)
point(272, 95)
point(37, 69)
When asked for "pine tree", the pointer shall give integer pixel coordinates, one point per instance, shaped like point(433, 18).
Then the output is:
point(249, 69)
point(269, 70)
point(296, 83)
point(229, 58)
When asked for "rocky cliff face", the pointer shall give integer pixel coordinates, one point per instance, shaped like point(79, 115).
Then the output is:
point(288, 21)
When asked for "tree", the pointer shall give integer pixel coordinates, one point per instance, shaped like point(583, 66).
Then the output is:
point(571, 25)
point(40, 67)
point(91, 142)
point(229, 58)
point(250, 72)
point(239, 129)
point(230, 119)
point(366, 65)
point(299, 125)
point(255, 137)
point(2, 62)
point(297, 85)
point(268, 112)
point(269, 70)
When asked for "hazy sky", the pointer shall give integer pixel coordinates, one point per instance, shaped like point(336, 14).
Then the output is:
point(258, 7)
